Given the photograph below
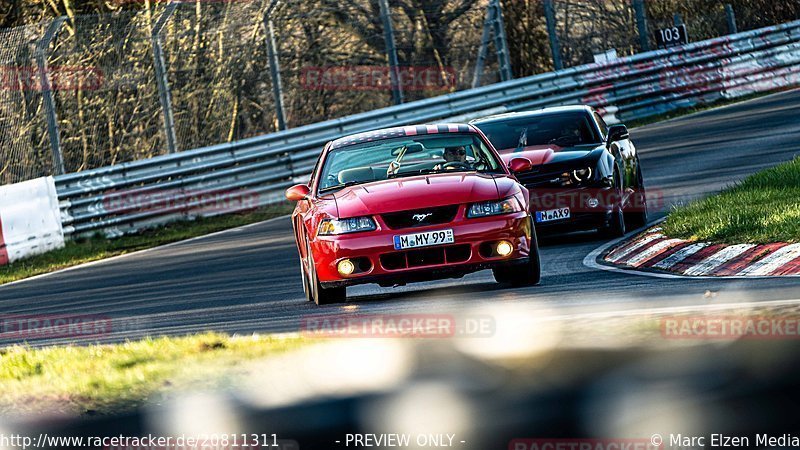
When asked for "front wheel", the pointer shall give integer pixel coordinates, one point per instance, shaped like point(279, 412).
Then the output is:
point(314, 290)
point(637, 217)
point(526, 274)
point(616, 225)
point(520, 275)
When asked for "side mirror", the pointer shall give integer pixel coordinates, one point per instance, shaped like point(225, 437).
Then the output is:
point(297, 192)
point(617, 133)
point(519, 164)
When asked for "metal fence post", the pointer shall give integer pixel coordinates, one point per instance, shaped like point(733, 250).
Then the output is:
point(493, 23)
point(501, 42)
point(391, 51)
point(732, 28)
point(677, 19)
point(641, 25)
point(481, 60)
point(274, 66)
point(47, 93)
point(161, 77)
point(555, 48)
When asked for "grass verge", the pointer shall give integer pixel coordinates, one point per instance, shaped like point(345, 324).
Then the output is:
point(109, 379)
point(763, 208)
point(92, 249)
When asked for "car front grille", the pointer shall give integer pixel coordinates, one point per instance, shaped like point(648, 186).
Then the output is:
point(539, 178)
point(426, 257)
point(420, 217)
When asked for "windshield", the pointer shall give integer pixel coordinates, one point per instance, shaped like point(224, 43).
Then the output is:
point(563, 130)
point(406, 156)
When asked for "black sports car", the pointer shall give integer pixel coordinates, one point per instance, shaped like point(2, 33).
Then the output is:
point(585, 175)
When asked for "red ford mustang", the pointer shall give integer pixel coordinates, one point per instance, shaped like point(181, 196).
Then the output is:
point(412, 204)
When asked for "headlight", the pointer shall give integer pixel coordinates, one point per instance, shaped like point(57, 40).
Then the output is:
point(484, 209)
point(581, 175)
point(330, 227)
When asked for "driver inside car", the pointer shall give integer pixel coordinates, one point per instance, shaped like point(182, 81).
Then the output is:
point(453, 155)
point(568, 135)
point(571, 131)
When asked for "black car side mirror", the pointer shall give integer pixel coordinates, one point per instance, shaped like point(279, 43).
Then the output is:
point(617, 133)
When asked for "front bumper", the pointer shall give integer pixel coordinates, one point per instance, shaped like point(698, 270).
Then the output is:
point(469, 253)
point(425, 274)
point(583, 215)
point(577, 222)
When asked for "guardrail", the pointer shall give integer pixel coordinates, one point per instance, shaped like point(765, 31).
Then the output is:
point(229, 177)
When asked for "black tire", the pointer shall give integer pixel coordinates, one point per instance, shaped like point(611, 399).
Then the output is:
point(501, 275)
point(638, 217)
point(527, 274)
point(319, 294)
point(616, 227)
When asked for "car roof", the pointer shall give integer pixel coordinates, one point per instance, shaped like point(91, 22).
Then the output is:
point(411, 130)
point(538, 112)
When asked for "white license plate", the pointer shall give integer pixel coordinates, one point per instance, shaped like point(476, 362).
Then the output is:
point(424, 239)
point(552, 214)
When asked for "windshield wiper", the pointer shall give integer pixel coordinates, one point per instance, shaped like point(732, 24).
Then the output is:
point(414, 173)
point(341, 186)
point(410, 173)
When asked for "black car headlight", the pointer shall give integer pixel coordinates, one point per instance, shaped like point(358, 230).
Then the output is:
point(582, 175)
point(330, 227)
point(577, 177)
point(494, 208)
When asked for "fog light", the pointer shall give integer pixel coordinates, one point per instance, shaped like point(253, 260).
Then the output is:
point(346, 267)
point(504, 248)
point(592, 203)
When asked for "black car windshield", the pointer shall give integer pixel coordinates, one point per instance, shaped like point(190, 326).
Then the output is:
point(562, 129)
point(406, 156)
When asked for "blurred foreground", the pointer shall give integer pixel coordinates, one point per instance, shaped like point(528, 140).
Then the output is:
point(516, 380)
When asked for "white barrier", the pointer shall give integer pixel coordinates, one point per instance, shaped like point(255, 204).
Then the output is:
point(30, 221)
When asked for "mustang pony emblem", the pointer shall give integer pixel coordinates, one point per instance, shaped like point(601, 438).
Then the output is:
point(421, 217)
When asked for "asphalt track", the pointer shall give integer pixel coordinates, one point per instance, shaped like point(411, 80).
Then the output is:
point(247, 280)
